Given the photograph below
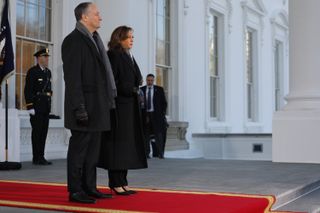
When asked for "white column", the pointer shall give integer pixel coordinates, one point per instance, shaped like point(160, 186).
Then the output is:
point(296, 128)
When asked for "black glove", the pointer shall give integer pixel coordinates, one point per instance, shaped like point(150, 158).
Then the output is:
point(135, 90)
point(82, 116)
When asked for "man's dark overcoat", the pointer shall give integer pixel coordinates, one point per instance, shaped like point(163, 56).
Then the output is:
point(86, 83)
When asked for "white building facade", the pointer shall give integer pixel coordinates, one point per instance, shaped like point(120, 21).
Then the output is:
point(223, 64)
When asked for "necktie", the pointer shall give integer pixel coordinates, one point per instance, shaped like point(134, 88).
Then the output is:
point(95, 38)
point(149, 98)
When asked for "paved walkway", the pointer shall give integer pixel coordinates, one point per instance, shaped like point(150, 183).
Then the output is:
point(285, 181)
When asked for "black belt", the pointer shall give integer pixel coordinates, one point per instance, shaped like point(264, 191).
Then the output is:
point(44, 93)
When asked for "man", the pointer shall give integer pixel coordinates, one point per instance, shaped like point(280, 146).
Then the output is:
point(154, 113)
point(89, 95)
point(38, 94)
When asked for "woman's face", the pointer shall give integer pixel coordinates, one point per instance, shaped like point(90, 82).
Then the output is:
point(128, 42)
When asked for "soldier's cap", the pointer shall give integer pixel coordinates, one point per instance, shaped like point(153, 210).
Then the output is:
point(42, 52)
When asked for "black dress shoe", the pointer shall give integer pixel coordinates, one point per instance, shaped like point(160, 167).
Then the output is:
point(45, 162)
point(80, 197)
point(35, 162)
point(41, 162)
point(161, 156)
point(96, 194)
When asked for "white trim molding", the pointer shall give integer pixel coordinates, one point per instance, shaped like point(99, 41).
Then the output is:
point(280, 33)
point(253, 14)
point(224, 8)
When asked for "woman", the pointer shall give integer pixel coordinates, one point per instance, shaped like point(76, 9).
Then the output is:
point(123, 147)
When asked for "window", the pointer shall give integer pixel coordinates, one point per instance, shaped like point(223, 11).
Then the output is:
point(163, 64)
point(214, 66)
point(278, 75)
point(251, 86)
point(33, 31)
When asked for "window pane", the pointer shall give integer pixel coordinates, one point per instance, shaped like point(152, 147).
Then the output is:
point(160, 57)
point(214, 97)
point(162, 78)
point(167, 54)
point(20, 18)
point(18, 75)
point(163, 33)
point(20, 82)
point(32, 1)
point(277, 71)
point(167, 29)
point(28, 50)
point(48, 3)
point(160, 8)
point(32, 21)
point(18, 56)
point(249, 56)
point(249, 94)
point(44, 24)
point(18, 91)
point(167, 8)
point(43, 3)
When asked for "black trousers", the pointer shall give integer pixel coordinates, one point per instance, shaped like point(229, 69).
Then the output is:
point(82, 159)
point(159, 144)
point(117, 178)
point(40, 124)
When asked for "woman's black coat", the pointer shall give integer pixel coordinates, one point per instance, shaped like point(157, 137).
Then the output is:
point(124, 146)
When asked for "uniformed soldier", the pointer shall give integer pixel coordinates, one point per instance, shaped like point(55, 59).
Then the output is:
point(38, 94)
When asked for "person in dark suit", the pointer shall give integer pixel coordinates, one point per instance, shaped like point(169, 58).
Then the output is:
point(123, 146)
point(89, 95)
point(37, 92)
point(154, 114)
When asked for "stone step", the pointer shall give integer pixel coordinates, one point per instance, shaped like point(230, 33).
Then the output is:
point(296, 194)
point(176, 133)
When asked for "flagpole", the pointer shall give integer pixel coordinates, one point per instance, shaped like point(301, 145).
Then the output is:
point(6, 120)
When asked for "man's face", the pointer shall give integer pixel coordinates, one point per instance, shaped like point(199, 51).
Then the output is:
point(92, 18)
point(150, 80)
point(43, 61)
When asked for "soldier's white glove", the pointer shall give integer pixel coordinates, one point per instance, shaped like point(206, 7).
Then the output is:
point(31, 111)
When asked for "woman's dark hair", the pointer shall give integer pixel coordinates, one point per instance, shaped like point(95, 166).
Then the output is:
point(81, 9)
point(118, 35)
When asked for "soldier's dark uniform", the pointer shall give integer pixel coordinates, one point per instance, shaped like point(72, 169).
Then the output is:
point(38, 94)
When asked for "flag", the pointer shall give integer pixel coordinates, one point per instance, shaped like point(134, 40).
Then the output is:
point(6, 49)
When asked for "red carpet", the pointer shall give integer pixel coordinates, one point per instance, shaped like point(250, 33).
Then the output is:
point(52, 196)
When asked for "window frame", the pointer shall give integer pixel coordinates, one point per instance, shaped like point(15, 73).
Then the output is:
point(251, 76)
point(36, 42)
point(219, 70)
point(163, 72)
